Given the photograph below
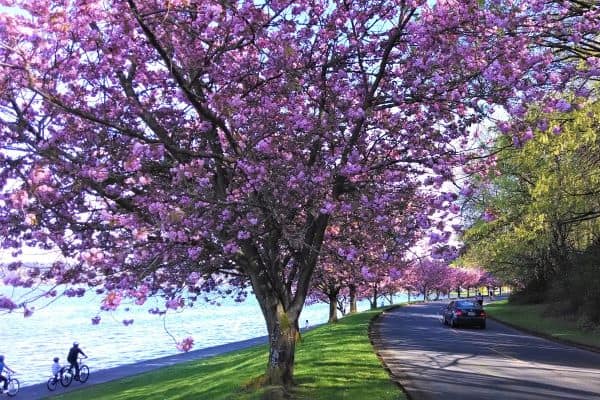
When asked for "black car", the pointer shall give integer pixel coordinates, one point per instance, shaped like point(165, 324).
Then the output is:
point(463, 312)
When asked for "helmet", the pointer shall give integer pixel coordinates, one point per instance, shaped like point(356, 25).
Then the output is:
point(55, 359)
point(75, 344)
point(1, 357)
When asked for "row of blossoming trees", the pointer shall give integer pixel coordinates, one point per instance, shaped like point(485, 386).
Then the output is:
point(196, 146)
point(427, 277)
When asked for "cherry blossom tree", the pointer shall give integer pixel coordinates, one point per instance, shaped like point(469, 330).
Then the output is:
point(426, 275)
point(180, 146)
point(468, 278)
point(392, 285)
point(363, 254)
point(326, 287)
point(361, 259)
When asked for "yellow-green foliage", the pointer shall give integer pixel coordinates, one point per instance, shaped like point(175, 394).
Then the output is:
point(545, 187)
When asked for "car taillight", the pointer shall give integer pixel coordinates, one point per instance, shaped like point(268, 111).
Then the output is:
point(483, 314)
point(458, 312)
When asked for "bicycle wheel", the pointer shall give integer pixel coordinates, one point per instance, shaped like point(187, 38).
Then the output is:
point(66, 377)
point(52, 382)
point(84, 373)
point(13, 387)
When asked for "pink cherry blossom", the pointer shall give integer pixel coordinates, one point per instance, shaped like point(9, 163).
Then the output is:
point(229, 146)
point(186, 344)
point(111, 301)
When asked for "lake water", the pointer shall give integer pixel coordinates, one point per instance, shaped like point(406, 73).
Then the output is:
point(30, 344)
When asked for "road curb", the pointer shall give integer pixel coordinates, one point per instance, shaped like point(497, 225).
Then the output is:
point(373, 337)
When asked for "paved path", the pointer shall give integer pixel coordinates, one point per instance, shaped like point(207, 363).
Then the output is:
point(432, 361)
point(40, 391)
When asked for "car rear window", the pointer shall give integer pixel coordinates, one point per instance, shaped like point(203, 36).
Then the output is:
point(466, 304)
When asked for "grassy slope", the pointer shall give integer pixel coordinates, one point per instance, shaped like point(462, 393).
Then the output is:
point(531, 317)
point(332, 362)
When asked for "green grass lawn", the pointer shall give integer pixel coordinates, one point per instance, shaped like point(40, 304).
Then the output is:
point(332, 362)
point(530, 317)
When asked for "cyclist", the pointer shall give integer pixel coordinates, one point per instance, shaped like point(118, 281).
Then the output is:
point(479, 298)
point(56, 368)
point(2, 377)
point(72, 358)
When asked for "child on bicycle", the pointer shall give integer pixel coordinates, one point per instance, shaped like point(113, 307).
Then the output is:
point(2, 377)
point(56, 368)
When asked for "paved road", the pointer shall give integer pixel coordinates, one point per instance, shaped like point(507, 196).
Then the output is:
point(40, 391)
point(432, 361)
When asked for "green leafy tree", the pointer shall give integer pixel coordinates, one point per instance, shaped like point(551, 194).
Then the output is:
point(539, 216)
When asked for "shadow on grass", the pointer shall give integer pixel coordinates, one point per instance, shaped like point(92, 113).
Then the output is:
point(333, 362)
point(220, 377)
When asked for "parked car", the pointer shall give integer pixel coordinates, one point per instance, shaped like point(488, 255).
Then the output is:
point(463, 312)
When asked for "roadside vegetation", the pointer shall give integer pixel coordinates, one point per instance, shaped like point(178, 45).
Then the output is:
point(334, 361)
point(535, 318)
point(536, 217)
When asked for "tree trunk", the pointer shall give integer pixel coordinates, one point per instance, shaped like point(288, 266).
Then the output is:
point(375, 296)
point(283, 333)
point(332, 308)
point(353, 307)
point(281, 315)
point(282, 296)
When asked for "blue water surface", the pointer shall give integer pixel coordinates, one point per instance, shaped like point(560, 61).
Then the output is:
point(30, 344)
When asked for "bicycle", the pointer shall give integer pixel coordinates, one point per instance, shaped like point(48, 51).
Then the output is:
point(67, 373)
point(53, 381)
point(13, 385)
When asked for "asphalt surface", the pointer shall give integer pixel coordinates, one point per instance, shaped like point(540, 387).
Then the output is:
point(433, 361)
point(40, 391)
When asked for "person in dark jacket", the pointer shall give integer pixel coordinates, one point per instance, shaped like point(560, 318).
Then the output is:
point(479, 298)
point(72, 358)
